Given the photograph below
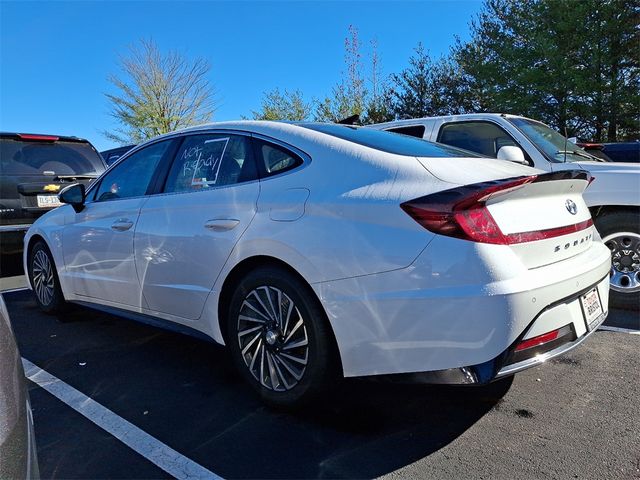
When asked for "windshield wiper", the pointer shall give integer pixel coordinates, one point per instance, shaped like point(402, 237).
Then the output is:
point(75, 177)
point(579, 154)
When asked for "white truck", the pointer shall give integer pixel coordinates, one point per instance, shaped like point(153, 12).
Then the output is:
point(613, 197)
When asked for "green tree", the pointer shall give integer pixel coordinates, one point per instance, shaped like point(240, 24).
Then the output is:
point(427, 88)
point(158, 93)
point(571, 64)
point(412, 86)
point(289, 105)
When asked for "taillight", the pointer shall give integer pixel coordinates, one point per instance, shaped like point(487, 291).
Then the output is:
point(462, 213)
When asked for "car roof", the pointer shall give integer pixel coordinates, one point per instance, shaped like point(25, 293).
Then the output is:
point(462, 116)
point(268, 128)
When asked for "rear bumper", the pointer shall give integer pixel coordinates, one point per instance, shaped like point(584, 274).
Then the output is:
point(453, 312)
point(539, 359)
point(498, 368)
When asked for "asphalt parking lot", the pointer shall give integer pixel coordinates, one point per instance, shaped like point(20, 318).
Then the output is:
point(576, 417)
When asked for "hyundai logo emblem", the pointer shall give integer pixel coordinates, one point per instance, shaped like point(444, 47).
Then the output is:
point(572, 208)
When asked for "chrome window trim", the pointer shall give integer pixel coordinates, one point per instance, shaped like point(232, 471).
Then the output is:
point(306, 158)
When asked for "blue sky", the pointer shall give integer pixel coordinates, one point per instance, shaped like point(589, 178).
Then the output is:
point(55, 56)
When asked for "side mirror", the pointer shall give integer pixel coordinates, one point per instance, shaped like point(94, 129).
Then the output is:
point(512, 154)
point(73, 195)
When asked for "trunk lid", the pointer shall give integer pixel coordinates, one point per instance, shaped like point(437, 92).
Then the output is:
point(543, 218)
point(550, 217)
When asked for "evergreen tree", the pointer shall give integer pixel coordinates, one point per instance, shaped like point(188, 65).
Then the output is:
point(573, 65)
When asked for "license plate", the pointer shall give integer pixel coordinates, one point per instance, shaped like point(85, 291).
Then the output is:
point(591, 307)
point(48, 201)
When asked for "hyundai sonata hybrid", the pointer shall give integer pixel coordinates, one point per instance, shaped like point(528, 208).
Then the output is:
point(318, 250)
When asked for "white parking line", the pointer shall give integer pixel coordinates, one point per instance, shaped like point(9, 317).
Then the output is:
point(141, 442)
point(11, 290)
point(619, 330)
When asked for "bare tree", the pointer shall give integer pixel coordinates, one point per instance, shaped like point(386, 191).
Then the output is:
point(158, 93)
point(348, 96)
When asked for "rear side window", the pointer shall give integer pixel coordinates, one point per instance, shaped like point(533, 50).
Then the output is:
point(211, 160)
point(273, 159)
point(411, 130)
point(19, 157)
point(481, 137)
point(132, 177)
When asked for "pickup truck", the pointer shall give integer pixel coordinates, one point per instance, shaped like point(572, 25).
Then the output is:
point(613, 198)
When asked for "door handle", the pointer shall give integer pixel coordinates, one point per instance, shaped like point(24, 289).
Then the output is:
point(221, 224)
point(122, 225)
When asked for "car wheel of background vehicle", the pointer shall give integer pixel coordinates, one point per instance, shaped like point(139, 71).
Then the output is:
point(279, 337)
point(44, 279)
point(620, 231)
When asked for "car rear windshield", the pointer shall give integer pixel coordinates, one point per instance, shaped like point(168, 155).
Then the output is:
point(19, 157)
point(388, 142)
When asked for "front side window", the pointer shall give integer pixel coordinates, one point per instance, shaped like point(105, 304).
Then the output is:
point(211, 160)
point(132, 177)
point(484, 138)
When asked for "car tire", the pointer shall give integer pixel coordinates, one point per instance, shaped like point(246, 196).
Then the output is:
point(620, 231)
point(44, 280)
point(280, 339)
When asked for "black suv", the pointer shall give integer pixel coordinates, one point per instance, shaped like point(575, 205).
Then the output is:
point(33, 169)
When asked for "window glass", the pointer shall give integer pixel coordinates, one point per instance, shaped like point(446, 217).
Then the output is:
point(554, 146)
point(481, 137)
point(387, 141)
point(212, 160)
point(132, 177)
point(411, 130)
point(63, 158)
point(277, 159)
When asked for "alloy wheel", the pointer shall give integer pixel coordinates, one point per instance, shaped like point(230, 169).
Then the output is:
point(43, 279)
point(273, 339)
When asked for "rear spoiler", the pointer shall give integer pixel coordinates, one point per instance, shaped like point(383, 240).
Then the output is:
point(37, 137)
point(564, 175)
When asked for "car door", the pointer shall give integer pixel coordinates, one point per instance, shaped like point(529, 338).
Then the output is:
point(98, 241)
point(186, 234)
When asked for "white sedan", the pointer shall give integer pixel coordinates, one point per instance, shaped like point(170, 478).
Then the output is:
point(317, 250)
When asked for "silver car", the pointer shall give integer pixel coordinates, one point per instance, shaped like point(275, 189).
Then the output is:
point(17, 441)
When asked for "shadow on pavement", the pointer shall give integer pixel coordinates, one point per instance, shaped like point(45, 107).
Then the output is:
point(185, 393)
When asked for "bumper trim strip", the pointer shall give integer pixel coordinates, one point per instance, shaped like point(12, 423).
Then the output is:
point(538, 359)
